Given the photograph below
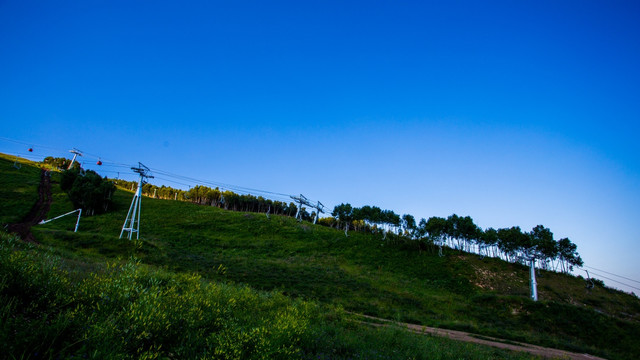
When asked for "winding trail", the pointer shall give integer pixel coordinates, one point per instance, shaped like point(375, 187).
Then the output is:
point(37, 213)
point(478, 339)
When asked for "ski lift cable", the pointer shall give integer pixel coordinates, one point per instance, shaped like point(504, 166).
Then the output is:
point(60, 150)
point(219, 184)
point(108, 162)
point(33, 146)
point(105, 160)
point(222, 189)
point(104, 165)
point(619, 282)
point(104, 171)
point(172, 181)
point(27, 156)
point(223, 186)
point(30, 144)
point(188, 181)
point(606, 272)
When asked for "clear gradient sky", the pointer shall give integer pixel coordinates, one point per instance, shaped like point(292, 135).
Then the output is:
point(515, 113)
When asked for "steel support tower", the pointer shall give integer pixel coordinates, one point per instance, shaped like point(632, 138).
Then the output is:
point(302, 200)
point(132, 222)
point(319, 209)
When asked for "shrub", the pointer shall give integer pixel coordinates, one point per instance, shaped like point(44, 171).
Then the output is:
point(88, 190)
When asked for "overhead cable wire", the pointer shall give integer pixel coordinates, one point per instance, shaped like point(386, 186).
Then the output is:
point(619, 282)
point(105, 160)
point(223, 186)
point(220, 183)
point(173, 181)
point(84, 153)
point(30, 144)
point(189, 181)
point(111, 163)
point(192, 182)
point(27, 156)
point(606, 272)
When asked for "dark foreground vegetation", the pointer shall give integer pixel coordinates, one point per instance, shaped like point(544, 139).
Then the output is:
point(243, 285)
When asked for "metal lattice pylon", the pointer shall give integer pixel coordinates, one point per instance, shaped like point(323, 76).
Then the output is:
point(304, 201)
point(133, 216)
point(301, 201)
point(319, 209)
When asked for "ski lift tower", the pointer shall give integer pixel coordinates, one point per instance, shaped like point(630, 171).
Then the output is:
point(133, 216)
point(534, 285)
point(75, 153)
point(302, 201)
point(319, 209)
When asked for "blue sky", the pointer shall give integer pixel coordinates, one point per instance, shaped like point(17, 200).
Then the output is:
point(515, 113)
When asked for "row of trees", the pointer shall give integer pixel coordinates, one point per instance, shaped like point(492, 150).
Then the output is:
point(226, 199)
point(461, 233)
point(60, 162)
point(367, 218)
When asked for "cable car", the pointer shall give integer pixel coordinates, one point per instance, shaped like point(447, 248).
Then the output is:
point(30, 149)
point(99, 162)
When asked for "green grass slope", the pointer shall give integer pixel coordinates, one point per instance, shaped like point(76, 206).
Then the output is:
point(126, 310)
point(318, 265)
point(18, 188)
point(98, 301)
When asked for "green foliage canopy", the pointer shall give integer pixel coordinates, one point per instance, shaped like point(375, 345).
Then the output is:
point(87, 190)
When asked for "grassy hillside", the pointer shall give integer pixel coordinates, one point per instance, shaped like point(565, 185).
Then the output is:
point(361, 273)
point(96, 300)
point(18, 188)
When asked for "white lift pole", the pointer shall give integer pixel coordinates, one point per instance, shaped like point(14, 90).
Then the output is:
point(319, 209)
point(75, 153)
point(531, 259)
point(301, 200)
point(534, 284)
point(133, 216)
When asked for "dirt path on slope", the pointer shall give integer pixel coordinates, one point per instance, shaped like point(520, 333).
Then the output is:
point(480, 339)
point(38, 212)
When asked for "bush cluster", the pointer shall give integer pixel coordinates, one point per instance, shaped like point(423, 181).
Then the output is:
point(129, 311)
point(87, 190)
